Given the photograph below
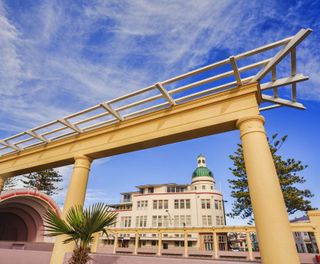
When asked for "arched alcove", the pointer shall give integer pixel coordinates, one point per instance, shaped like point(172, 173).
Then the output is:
point(21, 215)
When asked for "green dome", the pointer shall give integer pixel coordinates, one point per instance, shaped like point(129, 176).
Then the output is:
point(202, 171)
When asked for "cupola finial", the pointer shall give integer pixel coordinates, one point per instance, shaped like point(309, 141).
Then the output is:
point(201, 161)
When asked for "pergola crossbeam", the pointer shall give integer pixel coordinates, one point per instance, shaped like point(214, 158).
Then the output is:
point(300, 36)
point(165, 93)
point(107, 107)
point(274, 78)
point(235, 70)
point(69, 125)
point(283, 82)
point(265, 108)
point(293, 73)
point(283, 102)
point(37, 136)
point(9, 145)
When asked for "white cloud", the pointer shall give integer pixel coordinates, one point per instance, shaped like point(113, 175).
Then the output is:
point(55, 61)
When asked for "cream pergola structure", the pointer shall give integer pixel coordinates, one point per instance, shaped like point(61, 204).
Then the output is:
point(187, 106)
point(311, 226)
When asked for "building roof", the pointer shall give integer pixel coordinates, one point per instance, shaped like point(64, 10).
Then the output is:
point(158, 185)
point(202, 171)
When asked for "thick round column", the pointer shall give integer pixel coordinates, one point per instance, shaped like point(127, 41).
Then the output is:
point(136, 244)
point(115, 243)
point(159, 244)
point(75, 196)
point(274, 233)
point(215, 245)
point(95, 242)
point(185, 254)
point(249, 245)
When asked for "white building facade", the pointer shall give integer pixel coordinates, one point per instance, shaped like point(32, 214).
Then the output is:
point(172, 205)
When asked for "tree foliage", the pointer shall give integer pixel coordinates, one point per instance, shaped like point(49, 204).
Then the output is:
point(79, 226)
point(288, 171)
point(45, 181)
point(10, 183)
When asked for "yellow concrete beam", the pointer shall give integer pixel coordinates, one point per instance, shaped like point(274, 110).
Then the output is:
point(205, 116)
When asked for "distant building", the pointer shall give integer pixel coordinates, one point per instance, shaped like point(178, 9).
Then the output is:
point(198, 204)
point(305, 241)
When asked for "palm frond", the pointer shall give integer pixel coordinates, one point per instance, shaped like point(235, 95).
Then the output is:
point(80, 224)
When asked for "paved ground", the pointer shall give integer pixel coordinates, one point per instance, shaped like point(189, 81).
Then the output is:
point(125, 259)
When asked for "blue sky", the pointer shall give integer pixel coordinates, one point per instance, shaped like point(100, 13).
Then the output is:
point(58, 57)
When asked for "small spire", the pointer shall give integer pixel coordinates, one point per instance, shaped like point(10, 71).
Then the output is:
point(201, 160)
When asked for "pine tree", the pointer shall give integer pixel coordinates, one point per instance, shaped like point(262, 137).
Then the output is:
point(45, 181)
point(288, 171)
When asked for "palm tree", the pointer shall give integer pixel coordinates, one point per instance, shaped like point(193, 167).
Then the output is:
point(79, 226)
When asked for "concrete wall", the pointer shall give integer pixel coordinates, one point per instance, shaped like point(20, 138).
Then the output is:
point(26, 246)
point(13, 256)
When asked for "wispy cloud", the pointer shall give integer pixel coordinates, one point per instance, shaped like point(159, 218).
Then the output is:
point(58, 57)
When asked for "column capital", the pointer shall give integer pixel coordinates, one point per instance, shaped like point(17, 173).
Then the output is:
point(250, 124)
point(249, 118)
point(82, 157)
point(82, 161)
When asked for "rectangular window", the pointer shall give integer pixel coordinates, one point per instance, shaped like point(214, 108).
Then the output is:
point(160, 204)
point(155, 204)
point(209, 220)
point(220, 205)
point(204, 220)
point(208, 203)
point(159, 221)
point(165, 204)
point(138, 205)
point(221, 220)
point(218, 220)
point(188, 220)
point(176, 204)
point(137, 221)
point(151, 190)
point(222, 238)
point(165, 221)
point(154, 221)
point(216, 204)
point(203, 203)
point(182, 220)
point(176, 220)
point(188, 203)
point(145, 221)
point(181, 204)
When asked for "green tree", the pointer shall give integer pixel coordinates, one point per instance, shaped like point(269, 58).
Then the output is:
point(288, 171)
point(79, 226)
point(10, 183)
point(45, 181)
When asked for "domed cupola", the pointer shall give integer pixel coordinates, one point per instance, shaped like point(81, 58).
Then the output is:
point(202, 170)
